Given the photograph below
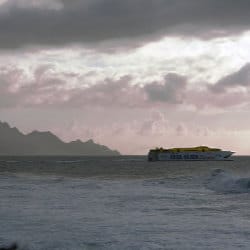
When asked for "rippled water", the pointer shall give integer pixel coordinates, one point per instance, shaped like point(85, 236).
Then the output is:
point(186, 206)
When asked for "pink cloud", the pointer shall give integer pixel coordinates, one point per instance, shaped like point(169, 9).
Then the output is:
point(46, 87)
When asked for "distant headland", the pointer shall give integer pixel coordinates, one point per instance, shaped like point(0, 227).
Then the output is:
point(15, 143)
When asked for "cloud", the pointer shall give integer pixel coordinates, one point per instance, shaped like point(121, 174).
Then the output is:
point(181, 130)
point(156, 124)
point(109, 92)
point(231, 90)
point(205, 100)
point(18, 89)
point(31, 4)
point(46, 86)
point(170, 91)
point(116, 22)
point(240, 78)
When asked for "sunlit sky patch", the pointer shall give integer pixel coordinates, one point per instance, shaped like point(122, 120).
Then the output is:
point(201, 61)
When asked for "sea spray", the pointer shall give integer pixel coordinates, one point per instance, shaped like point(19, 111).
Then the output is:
point(225, 182)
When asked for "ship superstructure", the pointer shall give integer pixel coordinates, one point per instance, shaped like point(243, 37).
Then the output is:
point(193, 153)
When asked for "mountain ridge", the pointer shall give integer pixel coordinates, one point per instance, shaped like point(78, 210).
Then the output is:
point(13, 142)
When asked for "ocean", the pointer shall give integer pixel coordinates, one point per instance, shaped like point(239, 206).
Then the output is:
point(124, 203)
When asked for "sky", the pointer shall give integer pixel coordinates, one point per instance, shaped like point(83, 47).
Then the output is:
point(131, 75)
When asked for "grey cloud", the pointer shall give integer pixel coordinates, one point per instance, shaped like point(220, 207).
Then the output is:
point(155, 124)
point(118, 22)
point(181, 130)
point(239, 78)
point(171, 90)
point(8, 77)
point(123, 93)
point(47, 88)
point(109, 93)
point(231, 90)
point(16, 90)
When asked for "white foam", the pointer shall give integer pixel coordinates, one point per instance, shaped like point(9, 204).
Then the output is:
point(226, 182)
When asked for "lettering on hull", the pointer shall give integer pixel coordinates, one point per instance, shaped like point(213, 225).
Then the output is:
point(197, 153)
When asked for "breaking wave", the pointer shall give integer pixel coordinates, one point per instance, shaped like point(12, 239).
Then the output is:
point(225, 182)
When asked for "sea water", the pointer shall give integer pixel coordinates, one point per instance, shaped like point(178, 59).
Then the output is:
point(125, 203)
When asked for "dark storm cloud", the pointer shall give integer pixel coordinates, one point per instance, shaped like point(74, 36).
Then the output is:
point(131, 22)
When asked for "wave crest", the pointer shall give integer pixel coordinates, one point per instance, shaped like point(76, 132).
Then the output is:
point(223, 181)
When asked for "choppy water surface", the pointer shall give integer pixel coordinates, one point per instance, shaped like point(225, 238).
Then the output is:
point(188, 206)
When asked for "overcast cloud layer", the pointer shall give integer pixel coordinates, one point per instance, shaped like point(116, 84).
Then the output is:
point(131, 22)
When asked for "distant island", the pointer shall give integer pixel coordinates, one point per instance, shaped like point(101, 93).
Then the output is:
point(15, 143)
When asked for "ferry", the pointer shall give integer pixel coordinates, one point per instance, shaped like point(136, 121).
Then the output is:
point(201, 153)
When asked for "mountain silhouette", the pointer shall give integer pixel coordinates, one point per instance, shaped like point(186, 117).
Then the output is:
point(13, 142)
